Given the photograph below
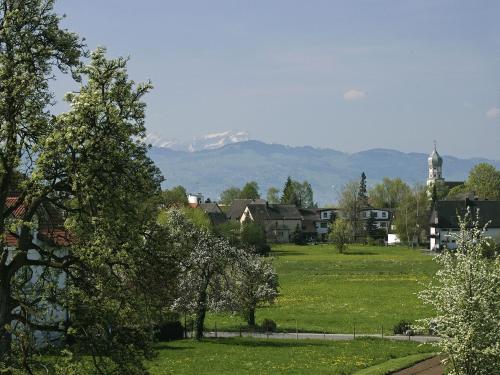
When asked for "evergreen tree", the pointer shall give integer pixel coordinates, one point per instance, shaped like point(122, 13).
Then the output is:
point(362, 193)
point(289, 194)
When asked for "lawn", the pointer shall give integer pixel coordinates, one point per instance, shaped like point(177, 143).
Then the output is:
point(369, 287)
point(253, 356)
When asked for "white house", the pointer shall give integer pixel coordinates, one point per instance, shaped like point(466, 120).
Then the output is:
point(444, 222)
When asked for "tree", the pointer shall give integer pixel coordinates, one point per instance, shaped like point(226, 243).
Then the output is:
point(31, 45)
point(350, 207)
point(93, 169)
point(412, 215)
point(229, 195)
point(340, 233)
point(466, 298)
point(362, 192)
point(304, 194)
point(250, 191)
point(253, 236)
point(177, 196)
point(254, 284)
point(289, 195)
point(484, 181)
point(389, 193)
point(205, 266)
point(273, 195)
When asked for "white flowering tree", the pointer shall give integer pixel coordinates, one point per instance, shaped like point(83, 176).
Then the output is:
point(215, 276)
point(465, 294)
point(205, 261)
point(253, 284)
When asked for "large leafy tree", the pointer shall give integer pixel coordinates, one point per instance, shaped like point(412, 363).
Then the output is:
point(32, 45)
point(250, 191)
point(350, 207)
point(484, 181)
point(91, 165)
point(389, 193)
point(465, 296)
point(412, 215)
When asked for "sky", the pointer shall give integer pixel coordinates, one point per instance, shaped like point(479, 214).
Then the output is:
point(349, 75)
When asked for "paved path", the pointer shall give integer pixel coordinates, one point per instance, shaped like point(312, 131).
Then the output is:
point(320, 336)
point(430, 366)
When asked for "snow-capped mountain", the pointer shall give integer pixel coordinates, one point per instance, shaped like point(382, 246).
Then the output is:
point(207, 142)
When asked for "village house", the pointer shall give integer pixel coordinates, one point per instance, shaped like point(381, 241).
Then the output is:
point(444, 220)
point(280, 221)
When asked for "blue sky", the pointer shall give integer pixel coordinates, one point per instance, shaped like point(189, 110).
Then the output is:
point(349, 75)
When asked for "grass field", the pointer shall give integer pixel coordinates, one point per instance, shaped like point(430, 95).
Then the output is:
point(252, 356)
point(321, 290)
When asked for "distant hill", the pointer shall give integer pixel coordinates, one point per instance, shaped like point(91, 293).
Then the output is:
point(212, 171)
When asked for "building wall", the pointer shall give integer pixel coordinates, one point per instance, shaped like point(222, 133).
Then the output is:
point(442, 238)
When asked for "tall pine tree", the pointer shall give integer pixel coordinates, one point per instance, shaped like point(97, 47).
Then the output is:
point(289, 194)
point(362, 193)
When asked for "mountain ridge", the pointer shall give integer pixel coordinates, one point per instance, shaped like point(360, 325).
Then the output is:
point(213, 170)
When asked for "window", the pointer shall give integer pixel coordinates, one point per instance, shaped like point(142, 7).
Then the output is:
point(374, 215)
point(384, 214)
point(324, 225)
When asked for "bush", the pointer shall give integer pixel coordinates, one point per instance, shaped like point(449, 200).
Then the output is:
point(269, 325)
point(402, 328)
point(168, 331)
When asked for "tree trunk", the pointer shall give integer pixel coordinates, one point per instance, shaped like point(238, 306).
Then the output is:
point(200, 315)
point(251, 317)
point(5, 316)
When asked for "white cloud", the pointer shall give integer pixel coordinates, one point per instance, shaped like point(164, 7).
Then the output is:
point(354, 94)
point(493, 113)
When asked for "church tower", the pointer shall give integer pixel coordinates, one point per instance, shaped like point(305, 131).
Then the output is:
point(435, 162)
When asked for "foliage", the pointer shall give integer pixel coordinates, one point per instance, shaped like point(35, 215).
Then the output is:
point(198, 217)
point(362, 192)
point(91, 167)
point(253, 236)
point(250, 191)
point(269, 325)
point(466, 297)
point(412, 216)
point(350, 206)
point(275, 356)
point(389, 193)
point(169, 330)
point(176, 196)
point(229, 195)
point(215, 276)
point(231, 230)
point(304, 194)
point(458, 192)
point(273, 195)
point(340, 234)
point(289, 195)
point(298, 237)
point(402, 327)
point(484, 181)
point(253, 283)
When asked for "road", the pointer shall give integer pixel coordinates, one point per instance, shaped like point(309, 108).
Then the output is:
point(319, 336)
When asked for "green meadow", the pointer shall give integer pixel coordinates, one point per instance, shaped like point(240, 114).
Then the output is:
point(367, 288)
point(252, 356)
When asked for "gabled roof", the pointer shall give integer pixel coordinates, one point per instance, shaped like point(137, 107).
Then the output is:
point(214, 212)
point(238, 207)
point(262, 212)
point(445, 213)
point(310, 214)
